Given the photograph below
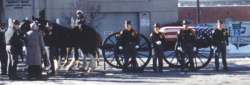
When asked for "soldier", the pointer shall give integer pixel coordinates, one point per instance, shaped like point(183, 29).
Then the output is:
point(127, 40)
point(157, 40)
point(186, 39)
point(221, 41)
point(50, 39)
point(3, 53)
point(16, 43)
point(80, 18)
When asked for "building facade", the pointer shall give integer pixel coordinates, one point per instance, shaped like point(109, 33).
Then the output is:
point(212, 10)
point(106, 16)
point(212, 14)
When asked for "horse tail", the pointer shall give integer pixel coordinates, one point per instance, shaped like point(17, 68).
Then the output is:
point(98, 39)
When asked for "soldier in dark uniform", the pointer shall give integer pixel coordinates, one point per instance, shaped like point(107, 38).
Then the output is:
point(50, 39)
point(127, 40)
point(16, 42)
point(80, 18)
point(186, 39)
point(157, 40)
point(221, 41)
point(3, 53)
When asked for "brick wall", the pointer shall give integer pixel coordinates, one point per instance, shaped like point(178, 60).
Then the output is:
point(211, 14)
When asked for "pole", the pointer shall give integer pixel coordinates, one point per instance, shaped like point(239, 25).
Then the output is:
point(45, 9)
point(1, 9)
point(198, 11)
point(33, 8)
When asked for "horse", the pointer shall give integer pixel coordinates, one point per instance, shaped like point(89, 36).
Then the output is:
point(85, 38)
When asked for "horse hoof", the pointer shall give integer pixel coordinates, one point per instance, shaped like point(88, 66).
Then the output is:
point(65, 62)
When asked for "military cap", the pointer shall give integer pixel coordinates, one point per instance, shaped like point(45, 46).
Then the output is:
point(16, 22)
point(128, 22)
point(157, 25)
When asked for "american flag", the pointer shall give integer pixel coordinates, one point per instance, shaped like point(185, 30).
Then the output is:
point(203, 34)
point(170, 34)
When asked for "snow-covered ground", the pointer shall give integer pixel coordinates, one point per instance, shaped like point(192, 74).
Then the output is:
point(239, 74)
point(243, 51)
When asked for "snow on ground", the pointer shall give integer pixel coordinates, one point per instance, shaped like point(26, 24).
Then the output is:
point(243, 51)
point(239, 74)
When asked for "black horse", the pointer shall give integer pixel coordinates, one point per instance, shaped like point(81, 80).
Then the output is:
point(82, 37)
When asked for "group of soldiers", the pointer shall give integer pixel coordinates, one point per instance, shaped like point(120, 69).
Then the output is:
point(12, 49)
point(186, 39)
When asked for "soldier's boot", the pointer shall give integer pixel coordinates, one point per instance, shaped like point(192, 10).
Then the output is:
point(192, 67)
point(161, 65)
point(224, 60)
point(125, 68)
point(183, 63)
point(217, 64)
point(225, 65)
point(155, 64)
point(191, 62)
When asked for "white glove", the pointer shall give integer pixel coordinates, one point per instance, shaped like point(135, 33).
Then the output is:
point(158, 42)
point(120, 47)
point(195, 48)
point(24, 48)
point(137, 46)
point(8, 47)
point(179, 48)
point(214, 48)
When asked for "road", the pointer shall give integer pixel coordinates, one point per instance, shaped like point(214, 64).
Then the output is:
point(239, 74)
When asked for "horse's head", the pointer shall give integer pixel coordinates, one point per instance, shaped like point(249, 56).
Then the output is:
point(25, 26)
point(49, 26)
point(2, 27)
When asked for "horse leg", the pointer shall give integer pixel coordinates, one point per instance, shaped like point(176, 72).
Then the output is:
point(47, 55)
point(52, 59)
point(98, 55)
point(83, 53)
point(73, 60)
point(77, 55)
point(55, 59)
point(66, 58)
point(92, 63)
